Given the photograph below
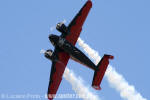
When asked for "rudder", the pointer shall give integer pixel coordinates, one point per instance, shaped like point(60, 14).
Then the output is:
point(99, 73)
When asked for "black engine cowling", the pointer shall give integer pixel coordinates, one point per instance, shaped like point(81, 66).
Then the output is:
point(49, 54)
point(61, 27)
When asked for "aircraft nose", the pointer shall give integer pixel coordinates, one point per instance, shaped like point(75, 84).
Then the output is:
point(53, 39)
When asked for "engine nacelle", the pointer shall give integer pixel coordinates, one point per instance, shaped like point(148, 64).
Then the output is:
point(61, 27)
point(49, 54)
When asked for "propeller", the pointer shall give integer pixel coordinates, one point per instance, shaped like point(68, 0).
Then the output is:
point(42, 51)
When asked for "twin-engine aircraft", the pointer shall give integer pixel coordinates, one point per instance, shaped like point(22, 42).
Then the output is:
point(65, 49)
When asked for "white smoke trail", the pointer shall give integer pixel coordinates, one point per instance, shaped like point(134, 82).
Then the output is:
point(115, 79)
point(78, 86)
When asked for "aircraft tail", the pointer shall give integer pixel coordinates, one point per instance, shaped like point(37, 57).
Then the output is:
point(100, 71)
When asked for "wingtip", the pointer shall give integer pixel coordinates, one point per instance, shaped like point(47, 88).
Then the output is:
point(109, 56)
point(90, 2)
point(96, 87)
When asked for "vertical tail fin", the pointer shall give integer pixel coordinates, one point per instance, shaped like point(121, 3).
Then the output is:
point(100, 71)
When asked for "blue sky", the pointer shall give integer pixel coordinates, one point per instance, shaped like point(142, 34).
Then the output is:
point(117, 27)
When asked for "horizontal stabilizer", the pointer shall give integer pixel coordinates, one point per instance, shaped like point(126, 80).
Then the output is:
point(100, 71)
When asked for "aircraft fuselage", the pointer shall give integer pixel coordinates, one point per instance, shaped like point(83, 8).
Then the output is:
point(74, 52)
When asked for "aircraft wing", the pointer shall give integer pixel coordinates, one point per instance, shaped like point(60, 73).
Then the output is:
point(57, 71)
point(75, 27)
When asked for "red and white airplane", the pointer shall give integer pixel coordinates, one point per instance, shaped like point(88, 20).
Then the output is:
point(65, 49)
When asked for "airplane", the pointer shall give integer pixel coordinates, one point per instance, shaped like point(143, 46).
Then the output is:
point(65, 49)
